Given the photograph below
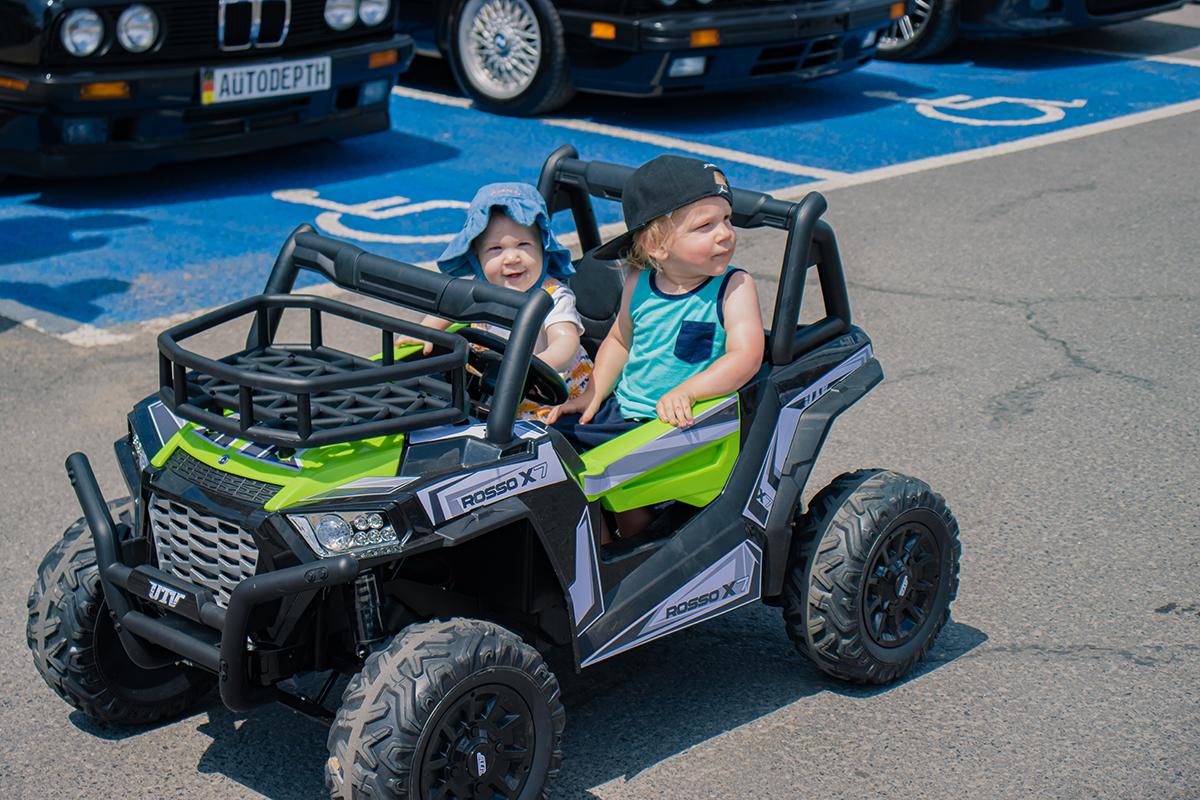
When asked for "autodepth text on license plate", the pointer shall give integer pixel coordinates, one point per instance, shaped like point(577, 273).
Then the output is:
point(229, 84)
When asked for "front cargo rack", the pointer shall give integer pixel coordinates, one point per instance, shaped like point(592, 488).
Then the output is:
point(308, 394)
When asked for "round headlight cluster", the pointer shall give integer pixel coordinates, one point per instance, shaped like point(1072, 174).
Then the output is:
point(137, 28)
point(82, 32)
point(373, 12)
point(369, 529)
point(340, 14)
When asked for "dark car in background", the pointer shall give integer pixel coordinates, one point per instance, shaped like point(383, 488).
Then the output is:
point(525, 57)
point(931, 26)
point(98, 87)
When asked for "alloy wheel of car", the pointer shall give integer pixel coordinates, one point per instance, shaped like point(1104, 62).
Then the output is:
point(501, 46)
point(909, 26)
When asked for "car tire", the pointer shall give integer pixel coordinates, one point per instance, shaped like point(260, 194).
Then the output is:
point(871, 576)
point(76, 649)
point(448, 708)
point(928, 30)
point(506, 77)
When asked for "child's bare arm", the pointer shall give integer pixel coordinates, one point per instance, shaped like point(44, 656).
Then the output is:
point(610, 360)
point(562, 343)
point(429, 321)
point(742, 359)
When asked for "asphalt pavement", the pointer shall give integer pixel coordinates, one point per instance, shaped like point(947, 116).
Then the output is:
point(1037, 318)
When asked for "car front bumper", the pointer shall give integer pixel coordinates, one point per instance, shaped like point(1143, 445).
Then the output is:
point(757, 46)
point(164, 120)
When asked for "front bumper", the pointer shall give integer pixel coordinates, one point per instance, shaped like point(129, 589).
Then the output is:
point(163, 119)
point(758, 46)
point(196, 628)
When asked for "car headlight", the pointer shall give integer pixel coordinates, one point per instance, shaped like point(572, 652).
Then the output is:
point(373, 12)
point(82, 32)
point(340, 14)
point(359, 533)
point(137, 28)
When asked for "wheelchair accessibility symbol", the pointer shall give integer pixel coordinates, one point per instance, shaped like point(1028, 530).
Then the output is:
point(958, 108)
point(331, 219)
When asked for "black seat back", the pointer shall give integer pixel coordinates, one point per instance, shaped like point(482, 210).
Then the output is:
point(597, 286)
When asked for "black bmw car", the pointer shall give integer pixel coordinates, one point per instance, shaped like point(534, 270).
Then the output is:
point(529, 56)
point(930, 26)
point(103, 86)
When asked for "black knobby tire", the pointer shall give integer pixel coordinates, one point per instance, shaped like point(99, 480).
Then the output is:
point(871, 575)
point(396, 724)
point(551, 86)
point(938, 32)
point(76, 649)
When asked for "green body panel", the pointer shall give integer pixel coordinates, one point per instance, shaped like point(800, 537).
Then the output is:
point(695, 478)
point(322, 468)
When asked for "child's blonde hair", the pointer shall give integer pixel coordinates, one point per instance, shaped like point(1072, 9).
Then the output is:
point(649, 238)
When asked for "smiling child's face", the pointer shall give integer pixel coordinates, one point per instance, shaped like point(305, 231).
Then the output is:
point(510, 254)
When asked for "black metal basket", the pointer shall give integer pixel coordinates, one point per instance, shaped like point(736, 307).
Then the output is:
point(308, 394)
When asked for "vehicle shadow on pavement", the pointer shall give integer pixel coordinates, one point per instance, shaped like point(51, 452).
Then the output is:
point(256, 173)
point(27, 238)
point(628, 714)
point(624, 715)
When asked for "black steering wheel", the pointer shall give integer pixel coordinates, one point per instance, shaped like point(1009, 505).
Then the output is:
point(543, 385)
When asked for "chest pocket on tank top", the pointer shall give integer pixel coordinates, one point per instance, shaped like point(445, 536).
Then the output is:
point(694, 343)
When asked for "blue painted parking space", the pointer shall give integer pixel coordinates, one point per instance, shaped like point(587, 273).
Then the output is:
point(104, 252)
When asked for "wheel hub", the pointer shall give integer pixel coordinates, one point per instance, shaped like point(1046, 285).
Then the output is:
point(500, 43)
point(900, 585)
point(482, 746)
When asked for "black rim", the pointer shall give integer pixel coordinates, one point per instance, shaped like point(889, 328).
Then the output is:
point(900, 586)
point(481, 746)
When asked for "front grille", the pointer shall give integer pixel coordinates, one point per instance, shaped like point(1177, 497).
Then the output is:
point(199, 473)
point(799, 57)
point(201, 550)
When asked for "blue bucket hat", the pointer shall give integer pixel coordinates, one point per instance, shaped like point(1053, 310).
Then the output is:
point(524, 204)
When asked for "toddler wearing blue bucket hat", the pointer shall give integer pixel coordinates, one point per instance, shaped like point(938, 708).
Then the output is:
point(506, 240)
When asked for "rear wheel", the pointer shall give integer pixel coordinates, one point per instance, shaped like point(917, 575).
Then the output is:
point(927, 30)
point(871, 576)
point(460, 709)
point(76, 649)
point(510, 56)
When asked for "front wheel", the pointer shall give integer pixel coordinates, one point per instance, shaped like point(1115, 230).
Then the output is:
point(460, 708)
point(510, 56)
point(871, 575)
point(76, 649)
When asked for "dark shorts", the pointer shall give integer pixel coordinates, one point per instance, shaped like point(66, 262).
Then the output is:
point(605, 425)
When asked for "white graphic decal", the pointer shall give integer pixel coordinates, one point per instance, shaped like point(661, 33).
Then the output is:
point(758, 507)
point(946, 108)
point(587, 601)
point(460, 494)
point(385, 208)
point(731, 582)
point(164, 595)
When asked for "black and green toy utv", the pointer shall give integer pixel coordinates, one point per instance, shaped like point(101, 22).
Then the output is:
point(295, 508)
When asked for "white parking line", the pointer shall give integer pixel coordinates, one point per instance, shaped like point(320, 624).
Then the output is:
point(719, 153)
point(683, 145)
point(1099, 51)
point(964, 156)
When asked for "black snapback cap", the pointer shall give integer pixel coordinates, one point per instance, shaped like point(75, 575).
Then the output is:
point(657, 188)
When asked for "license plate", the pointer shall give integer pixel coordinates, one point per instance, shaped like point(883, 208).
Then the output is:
point(231, 84)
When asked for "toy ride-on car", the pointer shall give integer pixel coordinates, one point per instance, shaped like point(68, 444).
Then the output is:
point(297, 510)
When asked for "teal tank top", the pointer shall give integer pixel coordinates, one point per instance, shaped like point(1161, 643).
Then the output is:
point(675, 336)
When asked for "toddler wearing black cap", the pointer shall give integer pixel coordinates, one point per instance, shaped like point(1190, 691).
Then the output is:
point(689, 328)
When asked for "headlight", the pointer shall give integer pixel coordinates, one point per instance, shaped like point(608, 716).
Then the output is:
point(82, 32)
point(340, 14)
point(137, 28)
point(372, 12)
point(359, 533)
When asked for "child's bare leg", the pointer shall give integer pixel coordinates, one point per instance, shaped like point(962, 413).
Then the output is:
point(632, 522)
